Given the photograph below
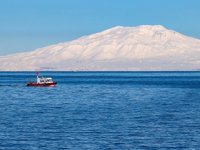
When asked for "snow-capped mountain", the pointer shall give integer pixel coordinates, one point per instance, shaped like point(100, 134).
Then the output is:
point(120, 48)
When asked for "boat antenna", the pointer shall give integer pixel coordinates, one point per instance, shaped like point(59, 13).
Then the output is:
point(37, 73)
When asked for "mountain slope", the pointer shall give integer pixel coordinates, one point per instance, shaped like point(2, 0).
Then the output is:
point(119, 48)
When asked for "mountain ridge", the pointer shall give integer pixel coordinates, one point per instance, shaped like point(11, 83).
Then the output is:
point(141, 48)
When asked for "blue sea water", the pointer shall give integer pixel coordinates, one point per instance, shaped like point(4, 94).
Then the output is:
point(100, 110)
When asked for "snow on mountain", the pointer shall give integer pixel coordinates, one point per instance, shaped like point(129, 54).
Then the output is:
point(120, 48)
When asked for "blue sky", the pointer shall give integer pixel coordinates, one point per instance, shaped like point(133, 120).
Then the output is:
point(29, 24)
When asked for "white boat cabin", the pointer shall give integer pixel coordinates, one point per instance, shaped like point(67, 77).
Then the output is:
point(44, 80)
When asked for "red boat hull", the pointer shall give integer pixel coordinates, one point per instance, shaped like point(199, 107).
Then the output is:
point(41, 84)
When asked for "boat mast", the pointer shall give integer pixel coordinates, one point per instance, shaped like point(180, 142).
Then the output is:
point(38, 79)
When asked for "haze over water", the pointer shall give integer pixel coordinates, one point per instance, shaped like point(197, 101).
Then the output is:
point(101, 110)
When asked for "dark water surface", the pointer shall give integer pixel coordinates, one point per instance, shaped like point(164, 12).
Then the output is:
point(101, 110)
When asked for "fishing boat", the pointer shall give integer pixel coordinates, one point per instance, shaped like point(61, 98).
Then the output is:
point(42, 81)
